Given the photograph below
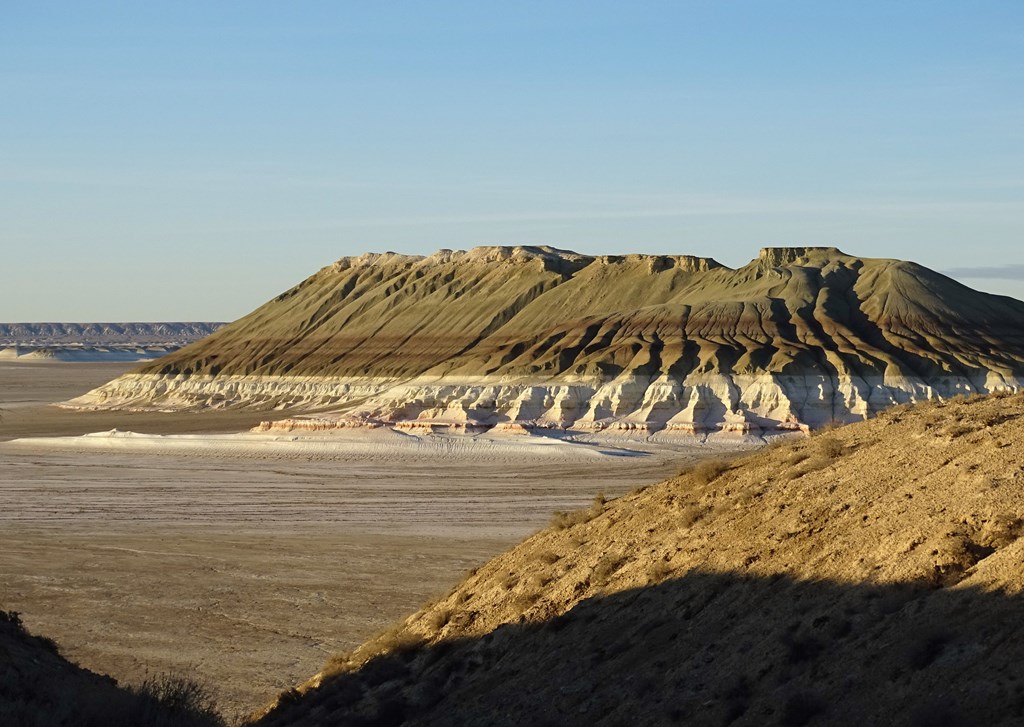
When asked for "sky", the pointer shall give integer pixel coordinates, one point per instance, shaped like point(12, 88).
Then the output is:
point(190, 160)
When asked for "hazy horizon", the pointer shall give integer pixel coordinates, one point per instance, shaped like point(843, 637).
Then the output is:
point(188, 161)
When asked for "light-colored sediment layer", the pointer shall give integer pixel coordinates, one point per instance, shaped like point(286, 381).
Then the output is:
point(701, 403)
point(382, 444)
point(536, 337)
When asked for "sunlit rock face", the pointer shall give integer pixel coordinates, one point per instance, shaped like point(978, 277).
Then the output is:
point(514, 339)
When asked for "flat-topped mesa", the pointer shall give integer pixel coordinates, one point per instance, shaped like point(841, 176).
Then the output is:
point(536, 337)
point(551, 259)
point(817, 256)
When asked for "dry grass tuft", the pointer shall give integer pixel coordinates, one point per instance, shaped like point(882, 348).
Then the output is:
point(605, 568)
point(708, 471)
point(830, 447)
point(796, 458)
point(526, 599)
point(957, 430)
point(692, 514)
point(539, 580)
point(564, 520)
point(548, 557)
point(437, 620)
point(658, 571)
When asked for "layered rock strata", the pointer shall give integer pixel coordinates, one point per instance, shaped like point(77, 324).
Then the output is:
point(521, 338)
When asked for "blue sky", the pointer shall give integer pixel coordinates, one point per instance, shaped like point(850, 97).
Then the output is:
point(189, 160)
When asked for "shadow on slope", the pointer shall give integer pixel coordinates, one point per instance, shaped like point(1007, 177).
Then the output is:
point(707, 648)
point(39, 688)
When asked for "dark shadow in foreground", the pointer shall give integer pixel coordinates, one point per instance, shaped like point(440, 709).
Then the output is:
point(707, 649)
point(39, 688)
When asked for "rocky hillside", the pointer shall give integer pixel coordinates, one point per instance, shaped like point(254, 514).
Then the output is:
point(867, 575)
point(520, 338)
point(39, 688)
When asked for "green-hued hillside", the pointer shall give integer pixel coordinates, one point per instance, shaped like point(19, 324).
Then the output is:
point(542, 337)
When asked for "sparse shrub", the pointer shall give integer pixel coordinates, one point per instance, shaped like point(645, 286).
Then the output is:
point(604, 569)
point(337, 664)
point(708, 471)
point(691, 514)
point(957, 430)
point(289, 696)
point(539, 580)
point(10, 617)
point(548, 557)
point(526, 599)
point(830, 447)
point(510, 581)
point(575, 541)
point(796, 458)
point(397, 641)
point(437, 620)
point(564, 520)
point(811, 465)
point(1000, 531)
point(170, 699)
point(658, 571)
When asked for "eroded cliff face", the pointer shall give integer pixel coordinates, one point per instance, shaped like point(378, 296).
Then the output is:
point(518, 338)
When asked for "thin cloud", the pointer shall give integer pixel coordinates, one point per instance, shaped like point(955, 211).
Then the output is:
point(996, 272)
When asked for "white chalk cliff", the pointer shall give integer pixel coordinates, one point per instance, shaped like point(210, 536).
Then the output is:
point(515, 339)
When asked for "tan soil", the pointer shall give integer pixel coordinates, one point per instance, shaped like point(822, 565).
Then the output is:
point(244, 572)
point(869, 575)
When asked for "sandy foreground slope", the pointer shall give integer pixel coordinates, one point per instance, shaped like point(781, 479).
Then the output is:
point(869, 575)
point(241, 564)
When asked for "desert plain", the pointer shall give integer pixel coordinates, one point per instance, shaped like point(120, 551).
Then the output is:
point(246, 562)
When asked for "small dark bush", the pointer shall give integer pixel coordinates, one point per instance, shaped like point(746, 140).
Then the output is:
point(548, 557)
point(830, 447)
point(172, 700)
